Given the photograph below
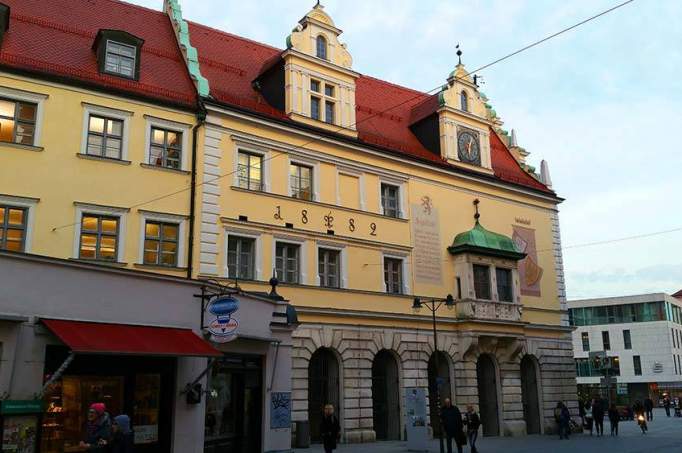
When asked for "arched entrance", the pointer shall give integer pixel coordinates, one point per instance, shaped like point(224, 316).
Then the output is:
point(386, 396)
point(323, 388)
point(443, 388)
point(487, 395)
point(529, 394)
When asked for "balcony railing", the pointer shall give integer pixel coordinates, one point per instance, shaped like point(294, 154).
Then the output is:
point(488, 309)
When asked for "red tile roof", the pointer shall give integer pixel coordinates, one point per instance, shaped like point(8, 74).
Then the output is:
point(55, 37)
point(678, 294)
point(384, 110)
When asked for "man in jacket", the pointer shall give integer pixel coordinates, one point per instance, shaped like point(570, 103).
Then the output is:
point(451, 422)
point(473, 422)
point(649, 407)
point(330, 429)
point(598, 412)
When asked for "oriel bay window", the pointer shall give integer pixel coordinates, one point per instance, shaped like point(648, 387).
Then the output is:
point(105, 137)
point(482, 281)
point(12, 228)
point(329, 268)
point(301, 181)
point(17, 121)
point(99, 237)
point(241, 253)
point(161, 243)
point(166, 148)
point(505, 291)
point(287, 262)
point(250, 171)
point(393, 275)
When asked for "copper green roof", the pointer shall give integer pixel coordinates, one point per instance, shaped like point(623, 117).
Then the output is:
point(481, 241)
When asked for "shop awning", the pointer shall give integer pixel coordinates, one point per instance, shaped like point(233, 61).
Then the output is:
point(102, 338)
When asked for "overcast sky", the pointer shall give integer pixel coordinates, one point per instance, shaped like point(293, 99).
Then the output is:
point(602, 104)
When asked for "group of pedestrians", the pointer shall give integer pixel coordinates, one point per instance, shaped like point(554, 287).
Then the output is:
point(454, 425)
point(107, 435)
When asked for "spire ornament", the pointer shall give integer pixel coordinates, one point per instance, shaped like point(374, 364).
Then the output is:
point(477, 215)
point(459, 54)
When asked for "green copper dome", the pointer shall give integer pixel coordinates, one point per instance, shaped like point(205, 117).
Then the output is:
point(483, 242)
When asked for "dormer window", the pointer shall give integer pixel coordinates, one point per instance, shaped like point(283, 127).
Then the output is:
point(464, 101)
point(321, 47)
point(118, 53)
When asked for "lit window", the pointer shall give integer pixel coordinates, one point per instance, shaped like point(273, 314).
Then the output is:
point(393, 275)
point(105, 137)
point(328, 268)
point(482, 281)
point(99, 237)
point(250, 171)
point(120, 59)
point(240, 257)
point(464, 99)
point(390, 200)
point(301, 181)
point(287, 262)
point(321, 46)
point(17, 121)
point(165, 148)
point(504, 285)
point(161, 243)
point(12, 228)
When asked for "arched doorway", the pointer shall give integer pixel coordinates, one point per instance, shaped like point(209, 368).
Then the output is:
point(529, 394)
point(443, 387)
point(386, 396)
point(323, 388)
point(487, 395)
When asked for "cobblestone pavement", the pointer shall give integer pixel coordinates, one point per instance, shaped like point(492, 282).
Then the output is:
point(664, 436)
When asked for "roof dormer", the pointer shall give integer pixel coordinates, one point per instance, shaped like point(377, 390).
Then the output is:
point(319, 83)
point(118, 53)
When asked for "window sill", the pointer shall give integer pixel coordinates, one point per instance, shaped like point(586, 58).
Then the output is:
point(22, 146)
point(100, 262)
point(159, 267)
point(103, 159)
point(170, 170)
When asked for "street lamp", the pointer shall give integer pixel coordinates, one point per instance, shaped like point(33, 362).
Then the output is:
point(433, 305)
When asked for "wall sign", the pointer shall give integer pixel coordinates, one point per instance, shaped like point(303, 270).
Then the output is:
point(19, 434)
point(224, 325)
point(280, 410)
point(427, 252)
point(530, 272)
point(327, 221)
point(415, 419)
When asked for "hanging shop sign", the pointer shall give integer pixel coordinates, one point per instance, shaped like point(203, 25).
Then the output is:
point(223, 324)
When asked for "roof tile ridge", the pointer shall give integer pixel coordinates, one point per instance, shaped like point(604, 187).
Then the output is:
point(241, 38)
point(395, 85)
point(133, 5)
point(506, 149)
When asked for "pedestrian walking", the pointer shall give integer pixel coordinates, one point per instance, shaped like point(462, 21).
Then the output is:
point(451, 421)
point(330, 429)
point(649, 408)
point(563, 419)
point(473, 422)
point(581, 412)
point(614, 418)
point(588, 417)
point(122, 438)
point(598, 415)
point(666, 405)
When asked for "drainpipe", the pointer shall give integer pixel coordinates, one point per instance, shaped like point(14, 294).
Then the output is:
point(201, 119)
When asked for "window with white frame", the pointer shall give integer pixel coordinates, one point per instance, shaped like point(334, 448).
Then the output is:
point(165, 148)
point(323, 101)
point(105, 137)
point(505, 290)
point(18, 121)
point(390, 200)
point(120, 59)
point(288, 262)
point(241, 257)
point(250, 171)
point(482, 281)
point(301, 181)
point(161, 243)
point(99, 237)
point(329, 267)
point(13, 228)
point(393, 275)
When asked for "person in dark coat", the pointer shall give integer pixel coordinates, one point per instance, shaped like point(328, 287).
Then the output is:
point(98, 429)
point(473, 421)
point(122, 438)
point(614, 418)
point(666, 405)
point(330, 429)
point(451, 422)
point(598, 414)
point(649, 408)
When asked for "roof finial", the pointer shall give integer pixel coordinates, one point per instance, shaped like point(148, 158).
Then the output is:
point(459, 54)
point(318, 5)
point(477, 215)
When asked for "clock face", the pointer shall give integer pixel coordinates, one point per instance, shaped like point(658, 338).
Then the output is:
point(468, 148)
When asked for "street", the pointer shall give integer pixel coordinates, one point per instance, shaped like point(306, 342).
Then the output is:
point(665, 435)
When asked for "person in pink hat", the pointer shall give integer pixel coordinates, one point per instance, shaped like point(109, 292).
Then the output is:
point(98, 429)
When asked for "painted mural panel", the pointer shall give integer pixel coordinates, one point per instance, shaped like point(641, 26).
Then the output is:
point(530, 272)
point(426, 254)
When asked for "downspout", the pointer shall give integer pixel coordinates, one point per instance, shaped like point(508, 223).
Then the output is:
point(201, 119)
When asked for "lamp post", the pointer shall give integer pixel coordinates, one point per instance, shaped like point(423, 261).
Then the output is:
point(433, 305)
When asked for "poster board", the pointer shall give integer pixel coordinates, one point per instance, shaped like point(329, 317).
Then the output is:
point(416, 422)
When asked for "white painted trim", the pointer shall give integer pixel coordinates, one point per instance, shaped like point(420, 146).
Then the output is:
point(314, 165)
point(180, 220)
point(123, 115)
point(342, 170)
point(407, 275)
point(259, 151)
point(258, 253)
point(174, 126)
point(402, 195)
point(83, 208)
point(303, 252)
point(35, 98)
point(343, 265)
point(30, 205)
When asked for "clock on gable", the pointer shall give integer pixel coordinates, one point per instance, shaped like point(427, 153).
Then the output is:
point(468, 146)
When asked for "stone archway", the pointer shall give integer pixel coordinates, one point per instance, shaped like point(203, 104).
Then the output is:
point(486, 374)
point(386, 396)
point(529, 394)
point(323, 388)
point(438, 391)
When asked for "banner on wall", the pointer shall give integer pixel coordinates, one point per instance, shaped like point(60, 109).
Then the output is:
point(416, 423)
point(427, 253)
point(530, 272)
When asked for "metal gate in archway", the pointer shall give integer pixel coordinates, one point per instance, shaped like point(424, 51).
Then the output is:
point(438, 390)
point(530, 395)
point(323, 388)
point(386, 396)
point(487, 395)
